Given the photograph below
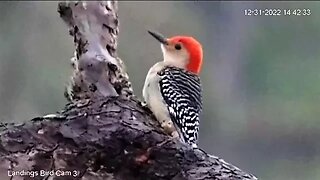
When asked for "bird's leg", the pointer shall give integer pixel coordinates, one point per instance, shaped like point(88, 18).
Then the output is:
point(173, 136)
point(169, 129)
point(168, 126)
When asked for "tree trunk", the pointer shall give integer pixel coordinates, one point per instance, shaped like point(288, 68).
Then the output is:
point(104, 132)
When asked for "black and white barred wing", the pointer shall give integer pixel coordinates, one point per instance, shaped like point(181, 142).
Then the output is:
point(181, 92)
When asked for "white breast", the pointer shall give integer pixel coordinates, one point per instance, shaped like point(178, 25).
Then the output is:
point(152, 96)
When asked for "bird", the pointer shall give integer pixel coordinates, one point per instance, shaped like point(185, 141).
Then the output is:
point(172, 89)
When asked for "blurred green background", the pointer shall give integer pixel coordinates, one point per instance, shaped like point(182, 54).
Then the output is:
point(261, 75)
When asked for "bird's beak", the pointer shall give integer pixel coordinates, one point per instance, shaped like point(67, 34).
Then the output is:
point(159, 37)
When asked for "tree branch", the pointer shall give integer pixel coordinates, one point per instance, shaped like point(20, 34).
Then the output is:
point(104, 132)
point(98, 72)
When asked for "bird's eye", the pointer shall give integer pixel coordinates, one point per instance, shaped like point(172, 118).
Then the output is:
point(177, 46)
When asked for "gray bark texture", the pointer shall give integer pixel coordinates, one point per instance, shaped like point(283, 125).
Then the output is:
point(104, 132)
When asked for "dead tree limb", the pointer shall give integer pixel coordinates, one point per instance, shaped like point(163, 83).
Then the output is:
point(104, 132)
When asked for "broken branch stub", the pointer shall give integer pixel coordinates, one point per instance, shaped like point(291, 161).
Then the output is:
point(97, 71)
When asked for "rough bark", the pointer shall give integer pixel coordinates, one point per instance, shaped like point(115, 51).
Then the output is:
point(104, 132)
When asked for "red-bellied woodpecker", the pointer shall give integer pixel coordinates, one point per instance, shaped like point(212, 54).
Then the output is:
point(172, 88)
